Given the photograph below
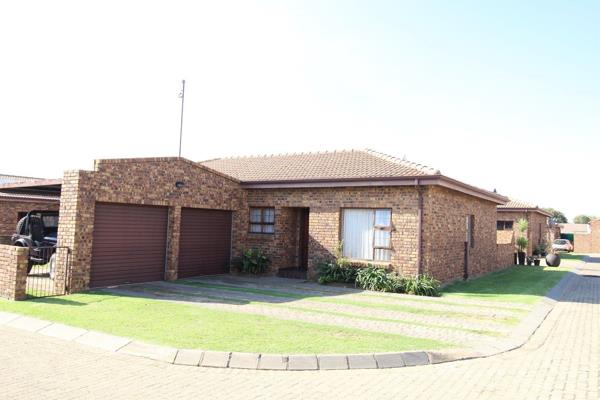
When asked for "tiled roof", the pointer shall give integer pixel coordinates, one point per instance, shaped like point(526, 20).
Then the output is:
point(518, 204)
point(347, 164)
point(5, 179)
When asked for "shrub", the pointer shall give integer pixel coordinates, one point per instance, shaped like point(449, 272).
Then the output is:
point(522, 243)
point(378, 279)
point(254, 261)
point(522, 225)
point(335, 271)
point(422, 285)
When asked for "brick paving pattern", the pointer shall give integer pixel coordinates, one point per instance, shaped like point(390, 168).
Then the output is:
point(561, 361)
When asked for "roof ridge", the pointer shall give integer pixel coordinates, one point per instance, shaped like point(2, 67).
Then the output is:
point(301, 153)
point(410, 164)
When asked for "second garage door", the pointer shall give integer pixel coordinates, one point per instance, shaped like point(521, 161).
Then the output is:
point(205, 242)
point(129, 244)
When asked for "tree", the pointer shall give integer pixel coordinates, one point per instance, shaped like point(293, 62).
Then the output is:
point(557, 216)
point(583, 219)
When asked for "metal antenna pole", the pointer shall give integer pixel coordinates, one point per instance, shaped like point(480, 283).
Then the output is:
point(182, 96)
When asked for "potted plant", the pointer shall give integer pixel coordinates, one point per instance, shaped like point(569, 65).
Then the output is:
point(522, 243)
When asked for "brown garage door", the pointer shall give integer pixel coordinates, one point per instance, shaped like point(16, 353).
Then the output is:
point(205, 242)
point(129, 244)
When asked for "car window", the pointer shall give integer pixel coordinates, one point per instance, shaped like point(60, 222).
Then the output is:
point(50, 221)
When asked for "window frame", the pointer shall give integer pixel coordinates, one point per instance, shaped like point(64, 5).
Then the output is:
point(262, 222)
point(504, 227)
point(375, 228)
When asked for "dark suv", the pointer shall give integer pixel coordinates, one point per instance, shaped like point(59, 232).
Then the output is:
point(37, 231)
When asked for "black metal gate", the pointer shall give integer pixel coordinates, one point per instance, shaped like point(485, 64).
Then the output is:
point(48, 272)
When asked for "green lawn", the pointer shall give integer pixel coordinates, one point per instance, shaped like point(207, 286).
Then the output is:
point(187, 326)
point(523, 284)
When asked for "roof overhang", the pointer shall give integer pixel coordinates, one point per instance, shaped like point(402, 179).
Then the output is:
point(525, 210)
point(427, 180)
point(42, 187)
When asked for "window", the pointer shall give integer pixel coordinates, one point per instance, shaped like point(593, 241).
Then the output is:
point(471, 230)
point(262, 220)
point(366, 234)
point(504, 225)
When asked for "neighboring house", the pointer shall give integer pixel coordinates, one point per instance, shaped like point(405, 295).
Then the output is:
point(14, 206)
point(540, 229)
point(585, 237)
point(135, 220)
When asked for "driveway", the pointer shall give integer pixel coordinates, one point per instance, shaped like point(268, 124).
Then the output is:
point(561, 361)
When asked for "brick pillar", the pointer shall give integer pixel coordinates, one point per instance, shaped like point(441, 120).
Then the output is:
point(173, 234)
point(13, 272)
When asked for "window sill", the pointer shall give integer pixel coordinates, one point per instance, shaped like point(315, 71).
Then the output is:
point(372, 262)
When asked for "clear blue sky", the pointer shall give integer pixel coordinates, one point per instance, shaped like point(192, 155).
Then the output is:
point(502, 95)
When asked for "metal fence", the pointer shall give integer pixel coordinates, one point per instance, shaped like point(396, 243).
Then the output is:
point(48, 272)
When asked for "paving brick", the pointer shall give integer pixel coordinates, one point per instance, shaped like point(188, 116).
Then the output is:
point(333, 362)
point(159, 353)
point(64, 332)
point(362, 361)
point(244, 360)
point(103, 340)
point(28, 324)
point(218, 359)
point(188, 357)
point(272, 362)
point(302, 363)
point(412, 359)
point(389, 360)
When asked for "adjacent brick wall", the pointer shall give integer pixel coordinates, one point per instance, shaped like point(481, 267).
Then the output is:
point(505, 248)
point(589, 243)
point(137, 181)
point(536, 221)
point(13, 272)
point(9, 214)
point(445, 232)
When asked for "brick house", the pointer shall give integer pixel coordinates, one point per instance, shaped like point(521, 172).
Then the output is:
point(134, 220)
point(13, 206)
point(540, 230)
point(589, 241)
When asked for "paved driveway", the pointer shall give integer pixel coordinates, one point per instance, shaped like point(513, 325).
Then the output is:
point(561, 361)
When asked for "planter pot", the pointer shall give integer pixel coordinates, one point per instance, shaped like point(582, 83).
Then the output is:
point(553, 260)
point(521, 257)
point(529, 261)
point(536, 262)
point(516, 260)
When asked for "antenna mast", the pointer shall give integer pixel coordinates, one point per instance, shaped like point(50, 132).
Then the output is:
point(182, 97)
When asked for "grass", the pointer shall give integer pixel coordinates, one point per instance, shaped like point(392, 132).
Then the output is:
point(524, 285)
point(187, 326)
point(357, 303)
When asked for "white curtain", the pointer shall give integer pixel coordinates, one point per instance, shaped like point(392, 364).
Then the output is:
point(357, 233)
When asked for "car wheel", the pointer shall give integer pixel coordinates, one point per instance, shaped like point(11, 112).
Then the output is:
point(52, 266)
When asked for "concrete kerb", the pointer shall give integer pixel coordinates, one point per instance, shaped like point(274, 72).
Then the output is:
point(304, 362)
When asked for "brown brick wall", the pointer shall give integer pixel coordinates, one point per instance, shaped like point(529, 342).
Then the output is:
point(13, 272)
point(9, 214)
point(137, 181)
point(324, 222)
point(589, 243)
point(445, 232)
point(536, 220)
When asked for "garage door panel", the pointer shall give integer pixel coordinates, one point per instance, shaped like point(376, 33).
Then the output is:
point(205, 242)
point(129, 244)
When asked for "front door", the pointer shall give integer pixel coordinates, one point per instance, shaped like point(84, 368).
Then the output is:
point(303, 239)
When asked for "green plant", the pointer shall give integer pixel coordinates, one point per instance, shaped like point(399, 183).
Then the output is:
point(254, 261)
point(334, 271)
point(522, 225)
point(422, 285)
point(378, 279)
point(522, 243)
